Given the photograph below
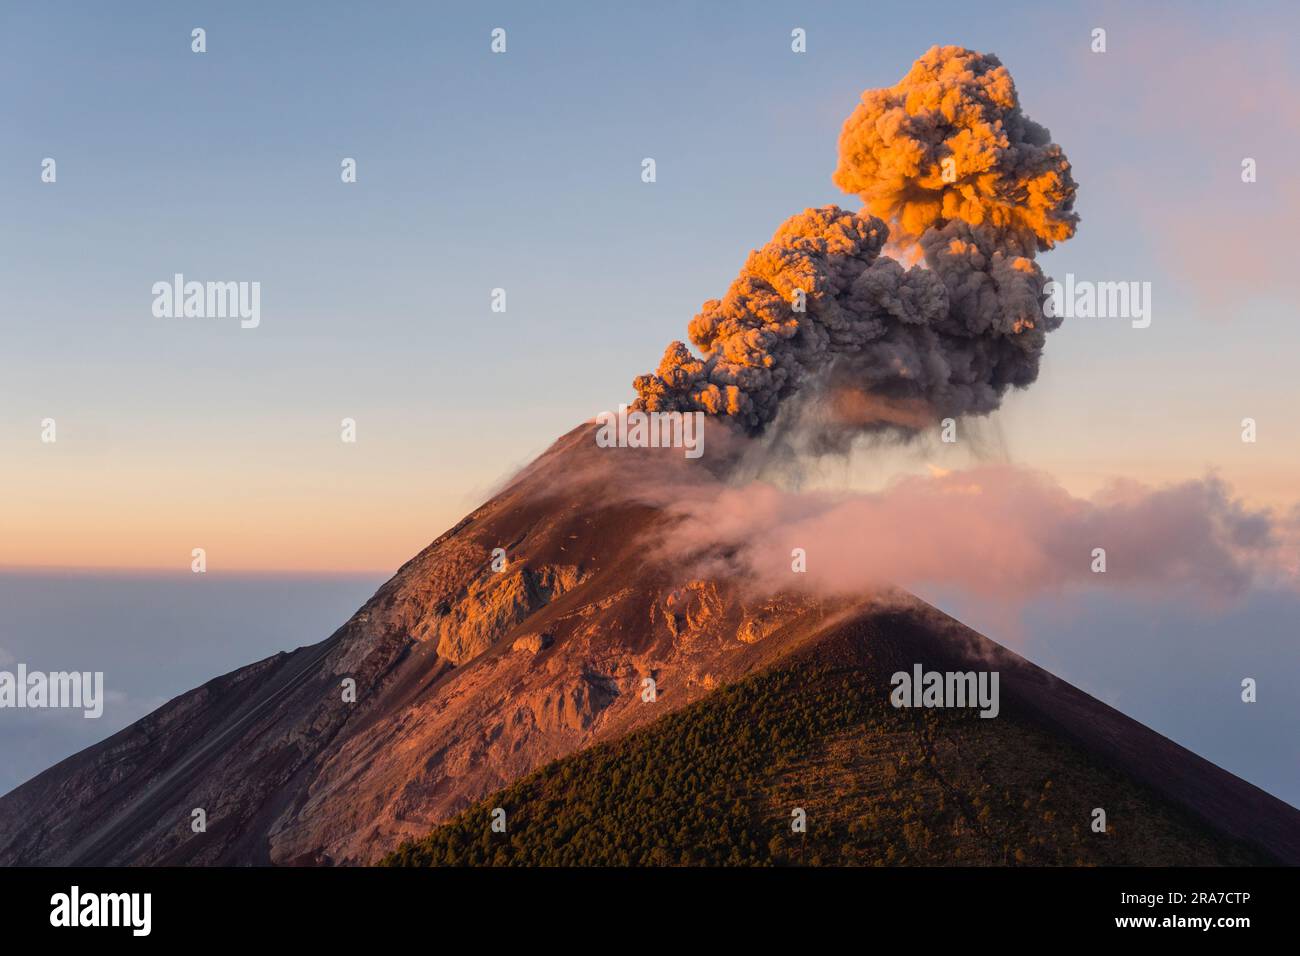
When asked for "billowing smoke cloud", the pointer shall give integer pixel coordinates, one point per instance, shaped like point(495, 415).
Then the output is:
point(1000, 532)
point(964, 180)
point(956, 112)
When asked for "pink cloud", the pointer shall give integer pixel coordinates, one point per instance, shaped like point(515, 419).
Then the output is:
point(998, 532)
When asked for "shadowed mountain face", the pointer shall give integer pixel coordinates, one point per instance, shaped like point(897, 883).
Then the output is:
point(808, 763)
point(469, 677)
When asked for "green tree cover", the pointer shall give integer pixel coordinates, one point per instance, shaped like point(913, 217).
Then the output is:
point(715, 784)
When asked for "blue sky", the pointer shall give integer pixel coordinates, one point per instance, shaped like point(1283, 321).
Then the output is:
point(521, 171)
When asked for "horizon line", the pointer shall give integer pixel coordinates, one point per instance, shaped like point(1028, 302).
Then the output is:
point(153, 571)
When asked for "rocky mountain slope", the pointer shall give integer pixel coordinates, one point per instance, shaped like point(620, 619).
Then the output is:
point(472, 672)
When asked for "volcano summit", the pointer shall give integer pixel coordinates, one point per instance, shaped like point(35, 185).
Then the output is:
point(469, 680)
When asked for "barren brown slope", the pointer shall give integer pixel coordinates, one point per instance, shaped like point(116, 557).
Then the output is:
point(446, 709)
point(469, 678)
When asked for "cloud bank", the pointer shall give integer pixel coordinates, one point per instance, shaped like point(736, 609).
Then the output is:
point(1001, 532)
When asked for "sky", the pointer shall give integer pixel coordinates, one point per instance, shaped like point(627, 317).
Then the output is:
point(522, 171)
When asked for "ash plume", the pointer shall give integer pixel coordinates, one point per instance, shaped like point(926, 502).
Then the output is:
point(951, 173)
point(958, 106)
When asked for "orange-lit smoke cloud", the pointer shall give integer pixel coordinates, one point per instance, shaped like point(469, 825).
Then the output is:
point(956, 111)
point(819, 311)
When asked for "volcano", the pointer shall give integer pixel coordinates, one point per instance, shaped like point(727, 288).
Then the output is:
point(550, 635)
